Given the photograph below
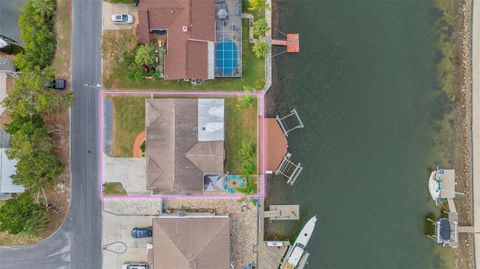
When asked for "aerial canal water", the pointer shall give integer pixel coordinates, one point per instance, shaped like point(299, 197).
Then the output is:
point(363, 86)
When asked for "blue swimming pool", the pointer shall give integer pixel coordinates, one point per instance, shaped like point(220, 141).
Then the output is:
point(226, 57)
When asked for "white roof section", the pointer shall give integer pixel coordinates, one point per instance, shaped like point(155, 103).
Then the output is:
point(7, 168)
point(211, 119)
point(211, 60)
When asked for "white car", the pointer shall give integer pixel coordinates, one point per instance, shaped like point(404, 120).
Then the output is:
point(122, 18)
point(135, 265)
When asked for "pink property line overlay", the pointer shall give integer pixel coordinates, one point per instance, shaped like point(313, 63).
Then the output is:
point(227, 94)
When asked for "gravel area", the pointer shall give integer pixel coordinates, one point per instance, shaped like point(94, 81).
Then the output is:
point(464, 254)
point(130, 207)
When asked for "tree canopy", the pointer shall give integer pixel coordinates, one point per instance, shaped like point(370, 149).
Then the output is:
point(33, 95)
point(21, 214)
point(145, 55)
point(37, 165)
point(37, 30)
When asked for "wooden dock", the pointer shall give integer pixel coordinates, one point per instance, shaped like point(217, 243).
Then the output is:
point(283, 212)
point(272, 256)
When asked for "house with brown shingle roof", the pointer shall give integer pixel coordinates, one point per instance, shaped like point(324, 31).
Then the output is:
point(193, 242)
point(188, 27)
point(184, 141)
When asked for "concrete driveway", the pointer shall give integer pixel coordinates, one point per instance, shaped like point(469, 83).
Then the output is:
point(131, 172)
point(117, 229)
point(109, 9)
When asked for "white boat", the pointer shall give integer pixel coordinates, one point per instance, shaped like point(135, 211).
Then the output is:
point(434, 184)
point(300, 244)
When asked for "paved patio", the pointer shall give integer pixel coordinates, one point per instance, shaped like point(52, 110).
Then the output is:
point(109, 9)
point(128, 171)
point(117, 229)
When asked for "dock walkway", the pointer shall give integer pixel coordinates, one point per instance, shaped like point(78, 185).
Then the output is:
point(283, 212)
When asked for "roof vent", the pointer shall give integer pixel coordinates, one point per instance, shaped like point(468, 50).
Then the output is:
point(171, 11)
point(185, 28)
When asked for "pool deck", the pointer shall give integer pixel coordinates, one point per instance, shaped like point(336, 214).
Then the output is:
point(229, 28)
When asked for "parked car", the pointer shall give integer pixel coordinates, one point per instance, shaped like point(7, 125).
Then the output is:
point(58, 84)
point(122, 18)
point(135, 265)
point(142, 232)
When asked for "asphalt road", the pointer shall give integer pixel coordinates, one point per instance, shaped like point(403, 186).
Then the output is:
point(77, 244)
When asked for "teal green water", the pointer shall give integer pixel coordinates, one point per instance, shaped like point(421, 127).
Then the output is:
point(362, 84)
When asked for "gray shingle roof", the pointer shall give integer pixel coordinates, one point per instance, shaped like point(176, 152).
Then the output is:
point(176, 159)
point(9, 11)
point(191, 243)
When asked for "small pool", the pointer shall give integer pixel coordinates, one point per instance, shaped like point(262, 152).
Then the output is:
point(226, 57)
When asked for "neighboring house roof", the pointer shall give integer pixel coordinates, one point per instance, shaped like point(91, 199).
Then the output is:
point(9, 12)
point(191, 242)
point(190, 26)
point(7, 168)
point(176, 158)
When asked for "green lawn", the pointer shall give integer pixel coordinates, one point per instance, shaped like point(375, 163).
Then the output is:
point(117, 75)
point(128, 122)
point(241, 128)
point(114, 189)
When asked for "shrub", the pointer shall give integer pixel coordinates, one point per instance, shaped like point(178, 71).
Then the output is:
point(142, 146)
point(259, 83)
point(260, 49)
point(248, 159)
point(257, 4)
point(260, 27)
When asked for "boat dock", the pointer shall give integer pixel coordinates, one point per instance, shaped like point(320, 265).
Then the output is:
point(292, 43)
point(272, 255)
point(283, 212)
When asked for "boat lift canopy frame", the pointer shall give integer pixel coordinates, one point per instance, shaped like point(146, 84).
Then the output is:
point(283, 124)
point(289, 169)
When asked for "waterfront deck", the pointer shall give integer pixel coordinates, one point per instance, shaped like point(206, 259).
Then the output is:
point(272, 256)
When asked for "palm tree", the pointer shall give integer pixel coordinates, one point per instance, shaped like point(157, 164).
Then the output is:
point(145, 55)
point(260, 49)
point(45, 8)
point(247, 101)
point(34, 226)
point(250, 187)
point(260, 27)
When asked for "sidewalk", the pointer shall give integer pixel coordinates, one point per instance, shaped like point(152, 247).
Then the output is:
point(476, 127)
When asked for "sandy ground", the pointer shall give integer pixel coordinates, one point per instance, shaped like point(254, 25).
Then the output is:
point(463, 135)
